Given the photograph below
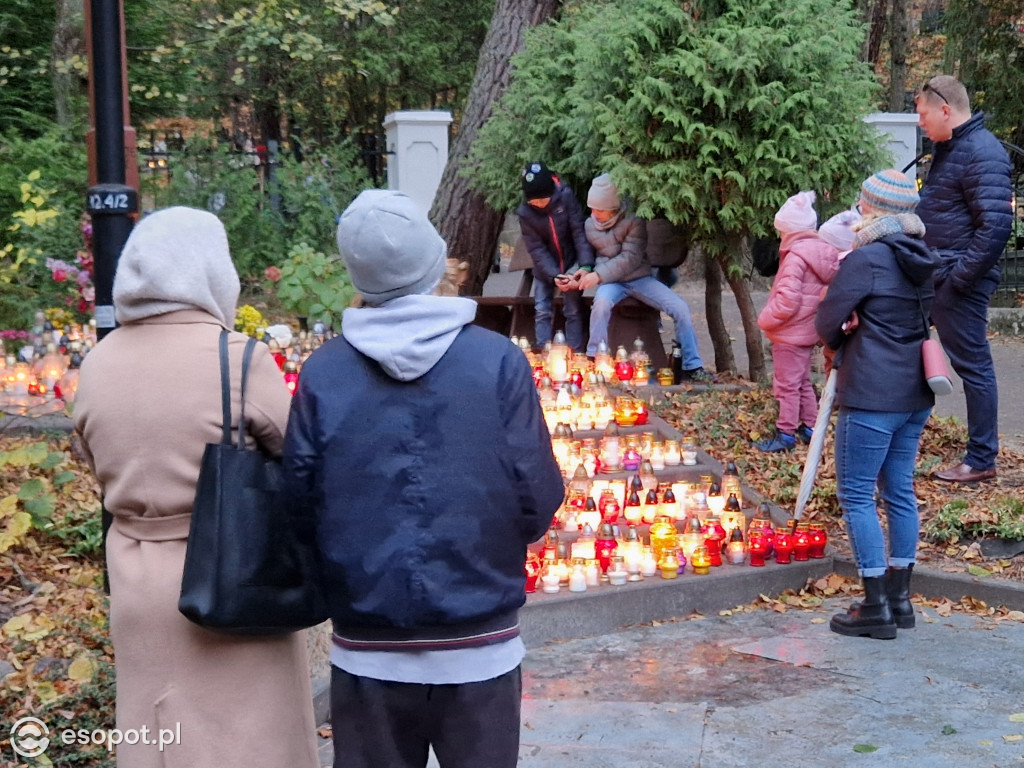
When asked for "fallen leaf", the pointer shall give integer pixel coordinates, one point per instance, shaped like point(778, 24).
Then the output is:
point(82, 669)
point(817, 621)
point(1017, 717)
point(1013, 738)
point(948, 730)
point(867, 748)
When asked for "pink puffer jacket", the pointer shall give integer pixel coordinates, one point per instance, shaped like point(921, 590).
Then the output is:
point(806, 265)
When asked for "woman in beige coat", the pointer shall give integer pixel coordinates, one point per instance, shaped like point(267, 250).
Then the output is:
point(148, 401)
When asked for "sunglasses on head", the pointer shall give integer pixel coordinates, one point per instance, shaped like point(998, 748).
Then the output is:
point(929, 87)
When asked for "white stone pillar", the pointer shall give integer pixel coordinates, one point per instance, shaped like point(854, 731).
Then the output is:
point(417, 144)
point(899, 131)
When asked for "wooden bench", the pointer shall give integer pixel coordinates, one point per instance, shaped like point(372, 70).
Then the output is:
point(513, 315)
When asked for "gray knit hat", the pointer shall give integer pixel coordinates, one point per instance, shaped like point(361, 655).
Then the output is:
point(176, 258)
point(603, 195)
point(389, 246)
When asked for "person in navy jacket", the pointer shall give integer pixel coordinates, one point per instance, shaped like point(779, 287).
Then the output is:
point(551, 221)
point(417, 442)
point(966, 209)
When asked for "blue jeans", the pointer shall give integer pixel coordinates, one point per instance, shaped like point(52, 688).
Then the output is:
point(572, 308)
point(962, 320)
point(879, 447)
point(653, 293)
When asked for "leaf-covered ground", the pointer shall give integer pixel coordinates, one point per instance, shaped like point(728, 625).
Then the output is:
point(724, 423)
point(55, 655)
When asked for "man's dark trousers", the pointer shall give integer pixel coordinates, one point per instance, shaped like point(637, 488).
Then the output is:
point(962, 322)
point(381, 724)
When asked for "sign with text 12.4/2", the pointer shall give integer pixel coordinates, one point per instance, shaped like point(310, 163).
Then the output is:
point(111, 198)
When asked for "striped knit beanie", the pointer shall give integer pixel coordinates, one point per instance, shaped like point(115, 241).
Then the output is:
point(889, 192)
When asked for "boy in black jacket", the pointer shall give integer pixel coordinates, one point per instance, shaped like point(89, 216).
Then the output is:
point(552, 224)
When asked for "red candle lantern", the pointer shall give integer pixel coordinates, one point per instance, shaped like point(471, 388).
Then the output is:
point(291, 375)
point(819, 538)
point(550, 549)
point(802, 542)
point(624, 369)
point(609, 506)
point(757, 547)
point(642, 413)
point(783, 546)
point(532, 567)
point(605, 546)
point(714, 538)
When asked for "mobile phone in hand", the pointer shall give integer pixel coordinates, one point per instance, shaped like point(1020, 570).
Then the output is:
point(564, 277)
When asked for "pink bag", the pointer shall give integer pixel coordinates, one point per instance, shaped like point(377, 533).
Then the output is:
point(935, 370)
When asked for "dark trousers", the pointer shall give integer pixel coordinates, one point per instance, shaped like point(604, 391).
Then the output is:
point(962, 320)
point(380, 724)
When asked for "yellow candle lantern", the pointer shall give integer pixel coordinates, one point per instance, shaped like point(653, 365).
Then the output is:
point(663, 535)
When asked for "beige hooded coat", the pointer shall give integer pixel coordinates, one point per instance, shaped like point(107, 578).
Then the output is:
point(147, 403)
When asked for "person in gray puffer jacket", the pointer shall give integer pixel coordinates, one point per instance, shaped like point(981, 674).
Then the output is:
point(620, 246)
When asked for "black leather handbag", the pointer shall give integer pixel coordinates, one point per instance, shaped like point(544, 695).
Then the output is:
point(247, 571)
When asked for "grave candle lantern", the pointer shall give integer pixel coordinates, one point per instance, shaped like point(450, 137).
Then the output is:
point(736, 549)
point(757, 547)
point(783, 545)
point(818, 540)
point(701, 560)
point(801, 542)
point(532, 568)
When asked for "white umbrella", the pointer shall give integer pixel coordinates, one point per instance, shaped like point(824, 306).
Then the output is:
point(817, 444)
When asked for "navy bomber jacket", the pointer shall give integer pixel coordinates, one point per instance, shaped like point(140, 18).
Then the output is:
point(965, 204)
point(426, 492)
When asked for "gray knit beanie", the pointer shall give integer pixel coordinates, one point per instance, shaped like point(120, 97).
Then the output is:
point(603, 195)
point(176, 258)
point(389, 246)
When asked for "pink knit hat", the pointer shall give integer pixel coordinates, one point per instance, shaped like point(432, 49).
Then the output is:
point(797, 214)
point(838, 231)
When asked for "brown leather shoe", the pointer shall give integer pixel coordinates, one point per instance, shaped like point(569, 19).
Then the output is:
point(964, 473)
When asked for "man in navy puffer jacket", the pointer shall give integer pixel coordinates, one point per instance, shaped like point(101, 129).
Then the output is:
point(965, 206)
point(417, 440)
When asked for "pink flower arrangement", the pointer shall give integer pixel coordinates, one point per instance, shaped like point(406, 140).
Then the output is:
point(80, 273)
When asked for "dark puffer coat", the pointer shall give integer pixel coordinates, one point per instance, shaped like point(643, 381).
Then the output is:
point(888, 282)
point(554, 235)
point(965, 204)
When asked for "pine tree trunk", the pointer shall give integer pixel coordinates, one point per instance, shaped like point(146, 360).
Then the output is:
point(67, 41)
point(877, 30)
point(899, 40)
point(724, 358)
point(470, 226)
point(756, 370)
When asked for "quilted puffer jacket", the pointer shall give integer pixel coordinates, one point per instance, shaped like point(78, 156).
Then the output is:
point(965, 204)
point(621, 250)
point(554, 235)
point(807, 264)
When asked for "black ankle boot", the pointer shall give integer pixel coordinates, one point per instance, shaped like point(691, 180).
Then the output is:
point(870, 618)
point(897, 589)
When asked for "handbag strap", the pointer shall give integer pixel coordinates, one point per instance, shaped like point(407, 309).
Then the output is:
point(250, 345)
point(924, 316)
point(225, 389)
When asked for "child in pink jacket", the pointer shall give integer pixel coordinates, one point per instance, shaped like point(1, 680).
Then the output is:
point(807, 263)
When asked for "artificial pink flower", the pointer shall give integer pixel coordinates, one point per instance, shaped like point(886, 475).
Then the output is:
point(273, 274)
